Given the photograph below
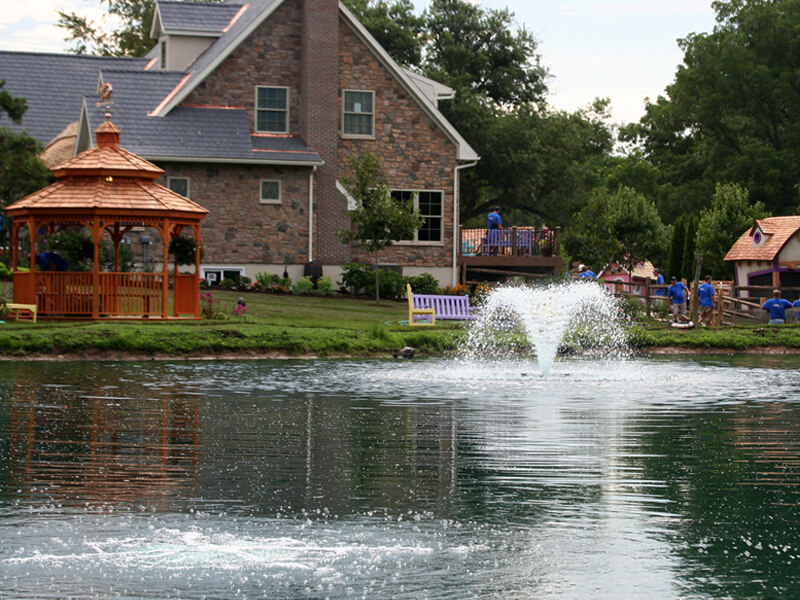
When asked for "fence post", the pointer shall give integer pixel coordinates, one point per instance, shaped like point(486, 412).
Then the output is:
point(647, 296)
point(693, 302)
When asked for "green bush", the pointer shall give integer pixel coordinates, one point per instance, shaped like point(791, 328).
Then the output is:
point(325, 286)
point(229, 284)
point(392, 285)
point(424, 283)
point(5, 273)
point(356, 277)
point(264, 279)
point(303, 286)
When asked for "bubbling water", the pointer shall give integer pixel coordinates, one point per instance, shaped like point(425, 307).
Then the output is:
point(562, 317)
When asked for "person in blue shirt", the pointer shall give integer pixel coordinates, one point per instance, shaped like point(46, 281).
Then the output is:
point(705, 293)
point(585, 272)
point(796, 304)
point(493, 221)
point(776, 306)
point(678, 293)
point(659, 281)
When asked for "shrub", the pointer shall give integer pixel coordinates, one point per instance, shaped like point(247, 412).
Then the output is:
point(324, 286)
point(245, 283)
point(424, 283)
point(356, 277)
point(209, 307)
point(264, 279)
point(184, 250)
point(228, 284)
point(303, 286)
point(4, 272)
point(392, 285)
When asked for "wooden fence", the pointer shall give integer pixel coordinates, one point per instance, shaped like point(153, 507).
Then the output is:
point(733, 303)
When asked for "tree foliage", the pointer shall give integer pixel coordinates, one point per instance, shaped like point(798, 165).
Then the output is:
point(21, 170)
point(621, 226)
point(378, 219)
point(721, 224)
point(733, 111)
point(397, 28)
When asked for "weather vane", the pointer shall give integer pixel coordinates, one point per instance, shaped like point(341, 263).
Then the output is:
point(105, 101)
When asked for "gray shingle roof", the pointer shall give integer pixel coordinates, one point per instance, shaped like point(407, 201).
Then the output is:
point(195, 16)
point(54, 86)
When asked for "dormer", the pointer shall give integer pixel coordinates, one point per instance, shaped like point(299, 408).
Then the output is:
point(185, 30)
point(758, 237)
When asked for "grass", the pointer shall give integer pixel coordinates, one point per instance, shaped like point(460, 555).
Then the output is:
point(311, 325)
point(281, 324)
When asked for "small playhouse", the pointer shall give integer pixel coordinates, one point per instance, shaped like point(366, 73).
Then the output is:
point(616, 277)
point(768, 254)
point(112, 194)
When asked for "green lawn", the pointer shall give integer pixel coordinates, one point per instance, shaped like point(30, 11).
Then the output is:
point(311, 325)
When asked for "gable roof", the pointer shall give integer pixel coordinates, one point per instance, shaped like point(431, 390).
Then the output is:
point(190, 18)
point(254, 14)
point(69, 76)
point(777, 231)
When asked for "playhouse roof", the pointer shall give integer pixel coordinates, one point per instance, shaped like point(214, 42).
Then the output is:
point(773, 232)
point(642, 270)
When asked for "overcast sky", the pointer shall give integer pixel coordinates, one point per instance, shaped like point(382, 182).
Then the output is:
point(625, 50)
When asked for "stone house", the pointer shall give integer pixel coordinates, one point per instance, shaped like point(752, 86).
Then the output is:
point(253, 109)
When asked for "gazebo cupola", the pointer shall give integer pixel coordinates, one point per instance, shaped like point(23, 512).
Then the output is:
point(110, 192)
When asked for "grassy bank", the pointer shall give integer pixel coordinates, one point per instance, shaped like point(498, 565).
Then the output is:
point(310, 325)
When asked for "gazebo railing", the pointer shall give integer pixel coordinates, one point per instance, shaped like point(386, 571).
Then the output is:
point(120, 294)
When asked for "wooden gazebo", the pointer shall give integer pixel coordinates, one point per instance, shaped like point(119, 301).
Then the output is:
point(110, 192)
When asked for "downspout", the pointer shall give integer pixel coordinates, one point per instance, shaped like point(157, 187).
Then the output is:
point(311, 214)
point(456, 198)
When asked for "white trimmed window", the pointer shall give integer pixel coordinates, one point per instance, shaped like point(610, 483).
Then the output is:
point(429, 205)
point(272, 109)
point(179, 185)
point(358, 117)
point(270, 191)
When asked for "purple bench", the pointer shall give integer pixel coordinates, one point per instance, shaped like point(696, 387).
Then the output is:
point(437, 306)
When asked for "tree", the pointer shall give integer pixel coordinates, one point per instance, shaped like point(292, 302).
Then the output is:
point(398, 30)
point(21, 170)
point(131, 38)
point(677, 247)
point(733, 111)
point(622, 226)
point(378, 219)
point(729, 215)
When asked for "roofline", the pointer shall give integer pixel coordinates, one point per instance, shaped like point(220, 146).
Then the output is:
point(219, 59)
point(234, 161)
point(193, 32)
point(465, 151)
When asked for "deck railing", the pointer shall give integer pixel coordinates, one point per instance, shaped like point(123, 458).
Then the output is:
point(515, 241)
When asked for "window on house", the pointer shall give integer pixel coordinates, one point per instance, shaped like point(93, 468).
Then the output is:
point(270, 191)
point(179, 185)
point(429, 205)
point(359, 113)
point(272, 109)
point(164, 54)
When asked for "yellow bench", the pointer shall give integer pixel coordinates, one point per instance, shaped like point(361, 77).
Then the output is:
point(17, 310)
point(429, 314)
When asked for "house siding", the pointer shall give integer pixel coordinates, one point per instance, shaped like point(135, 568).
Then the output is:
point(415, 153)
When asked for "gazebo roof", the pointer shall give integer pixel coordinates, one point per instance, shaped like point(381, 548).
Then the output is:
point(775, 232)
point(107, 178)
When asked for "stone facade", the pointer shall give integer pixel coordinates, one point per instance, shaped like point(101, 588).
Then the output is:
point(307, 47)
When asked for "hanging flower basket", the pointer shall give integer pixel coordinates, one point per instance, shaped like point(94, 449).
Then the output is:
point(184, 249)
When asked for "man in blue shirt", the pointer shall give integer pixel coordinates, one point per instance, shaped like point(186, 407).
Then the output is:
point(586, 272)
point(796, 304)
point(659, 281)
point(776, 306)
point(705, 293)
point(677, 293)
point(493, 221)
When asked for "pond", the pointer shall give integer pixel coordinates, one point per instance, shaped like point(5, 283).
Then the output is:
point(438, 478)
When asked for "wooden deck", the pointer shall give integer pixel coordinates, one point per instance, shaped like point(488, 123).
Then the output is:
point(497, 254)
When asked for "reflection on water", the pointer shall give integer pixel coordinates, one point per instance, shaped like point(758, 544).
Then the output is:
point(378, 479)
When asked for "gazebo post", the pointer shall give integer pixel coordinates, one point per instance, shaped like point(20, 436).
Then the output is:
point(166, 232)
point(97, 232)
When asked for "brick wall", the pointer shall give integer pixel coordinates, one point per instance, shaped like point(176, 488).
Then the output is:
point(319, 121)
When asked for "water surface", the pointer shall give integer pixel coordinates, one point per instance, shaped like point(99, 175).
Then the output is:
point(658, 478)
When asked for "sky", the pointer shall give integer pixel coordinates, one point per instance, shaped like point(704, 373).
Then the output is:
point(625, 50)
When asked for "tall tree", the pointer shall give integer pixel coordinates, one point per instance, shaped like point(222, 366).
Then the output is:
point(721, 224)
point(677, 247)
point(378, 219)
point(399, 30)
point(733, 110)
point(21, 170)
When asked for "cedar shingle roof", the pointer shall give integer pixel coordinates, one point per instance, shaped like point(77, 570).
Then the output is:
point(776, 232)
